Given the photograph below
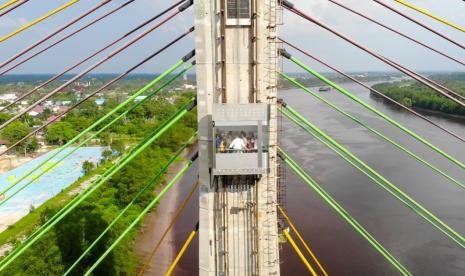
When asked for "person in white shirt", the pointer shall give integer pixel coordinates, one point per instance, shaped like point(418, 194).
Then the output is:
point(237, 144)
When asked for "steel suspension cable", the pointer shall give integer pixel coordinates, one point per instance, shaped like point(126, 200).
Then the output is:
point(427, 13)
point(44, 165)
point(426, 81)
point(99, 182)
point(374, 131)
point(461, 62)
point(75, 199)
point(38, 20)
point(438, 33)
point(7, 4)
point(177, 213)
point(182, 251)
point(148, 186)
point(302, 240)
point(372, 90)
point(48, 47)
point(359, 166)
point(356, 164)
point(342, 212)
point(374, 110)
point(49, 122)
point(57, 31)
point(375, 176)
point(143, 213)
point(95, 65)
point(114, 42)
point(13, 7)
point(94, 135)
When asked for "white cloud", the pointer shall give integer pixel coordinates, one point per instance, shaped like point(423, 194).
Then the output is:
point(9, 23)
point(308, 35)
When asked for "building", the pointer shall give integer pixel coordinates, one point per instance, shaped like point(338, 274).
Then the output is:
point(36, 111)
point(8, 97)
point(64, 102)
point(189, 86)
point(59, 109)
point(99, 101)
point(140, 98)
point(52, 118)
point(3, 146)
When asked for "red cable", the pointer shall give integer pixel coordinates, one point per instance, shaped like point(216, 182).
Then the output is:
point(403, 69)
point(397, 32)
point(421, 24)
point(66, 37)
point(96, 91)
point(373, 90)
point(410, 38)
point(13, 7)
point(47, 37)
point(109, 56)
point(91, 56)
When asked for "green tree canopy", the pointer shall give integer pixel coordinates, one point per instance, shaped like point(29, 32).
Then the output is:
point(15, 132)
point(60, 133)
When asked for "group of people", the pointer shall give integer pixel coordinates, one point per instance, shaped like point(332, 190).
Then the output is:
point(235, 142)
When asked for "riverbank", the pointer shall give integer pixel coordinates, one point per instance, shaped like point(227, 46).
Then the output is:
point(415, 95)
point(22, 227)
point(424, 111)
point(48, 178)
point(403, 233)
point(15, 225)
point(11, 162)
point(156, 222)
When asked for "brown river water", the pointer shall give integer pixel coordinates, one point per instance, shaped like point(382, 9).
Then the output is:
point(421, 248)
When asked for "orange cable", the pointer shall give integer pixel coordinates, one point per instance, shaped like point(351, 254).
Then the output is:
point(173, 221)
point(302, 240)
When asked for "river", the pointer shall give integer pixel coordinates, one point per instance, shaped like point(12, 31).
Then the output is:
point(416, 244)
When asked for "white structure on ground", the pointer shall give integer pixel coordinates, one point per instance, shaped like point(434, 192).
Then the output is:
point(8, 97)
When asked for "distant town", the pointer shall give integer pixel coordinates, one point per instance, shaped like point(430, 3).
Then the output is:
point(12, 100)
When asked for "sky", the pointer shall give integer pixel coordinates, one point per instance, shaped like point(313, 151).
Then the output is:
point(310, 37)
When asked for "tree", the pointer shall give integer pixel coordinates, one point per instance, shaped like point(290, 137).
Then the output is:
point(32, 145)
point(60, 133)
point(118, 146)
point(106, 154)
point(105, 139)
point(87, 167)
point(4, 117)
point(15, 132)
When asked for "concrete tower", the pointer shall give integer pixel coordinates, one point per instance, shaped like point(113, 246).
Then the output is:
point(236, 79)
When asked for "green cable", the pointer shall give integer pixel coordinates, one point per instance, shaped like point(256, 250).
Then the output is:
point(362, 170)
point(377, 112)
point(109, 124)
point(81, 134)
point(388, 186)
point(48, 168)
point(140, 216)
point(133, 201)
point(343, 213)
point(99, 182)
point(379, 134)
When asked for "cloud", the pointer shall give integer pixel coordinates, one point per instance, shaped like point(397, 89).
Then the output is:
point(296, 30)
point(9, 23)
